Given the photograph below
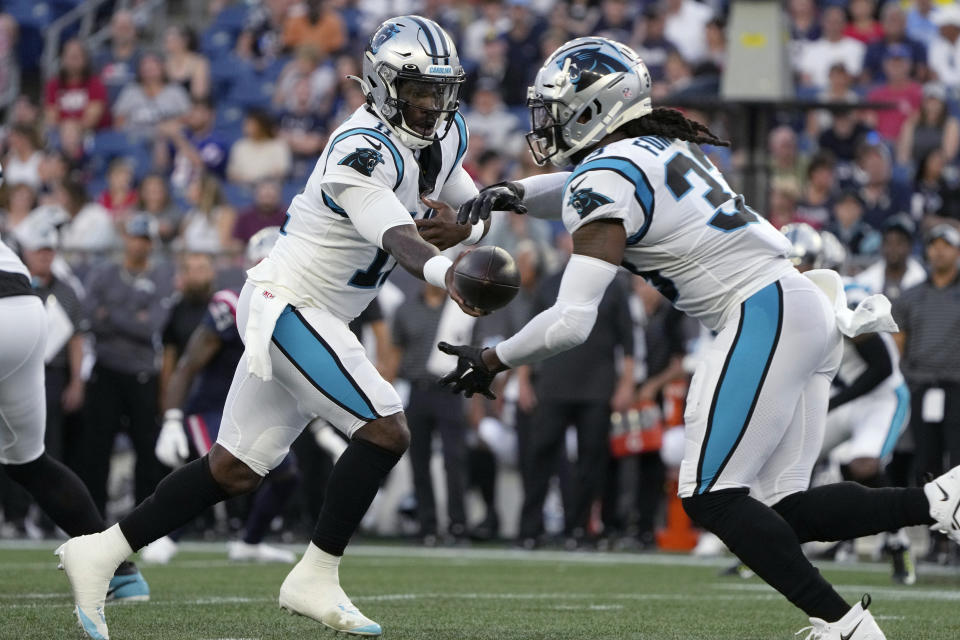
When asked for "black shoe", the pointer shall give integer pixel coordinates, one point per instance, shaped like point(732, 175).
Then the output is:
point(903, 569)
point(738, 570)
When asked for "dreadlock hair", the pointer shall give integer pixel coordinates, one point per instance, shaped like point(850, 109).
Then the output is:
point(670, 123)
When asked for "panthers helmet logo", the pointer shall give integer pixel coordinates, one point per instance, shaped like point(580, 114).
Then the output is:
point(589, 65)
point(585, 200)
point(386, 32)
point(364, 160)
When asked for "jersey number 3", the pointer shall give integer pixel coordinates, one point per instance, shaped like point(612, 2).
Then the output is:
point(677, 169)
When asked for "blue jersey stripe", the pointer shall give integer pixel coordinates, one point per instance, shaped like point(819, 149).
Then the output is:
point(740, 382)
point(899, 420)
point(379, 135)
point(630, 172)
point(318, 362)
point(333, 206)
point(461, 143)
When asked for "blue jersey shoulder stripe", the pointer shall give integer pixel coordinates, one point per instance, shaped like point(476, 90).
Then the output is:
point(632, 173)
point(462, 142)
point(379, 135)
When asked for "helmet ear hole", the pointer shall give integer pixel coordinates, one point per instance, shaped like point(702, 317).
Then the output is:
point(585, 116)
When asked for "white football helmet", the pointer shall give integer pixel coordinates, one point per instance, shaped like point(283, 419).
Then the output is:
point(834, 255)
point(586, 89)
point(807, 244)
point(260, 245)
point(411, 64)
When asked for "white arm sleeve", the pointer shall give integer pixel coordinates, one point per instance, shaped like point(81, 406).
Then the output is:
point(569, 321)
point(458, 189)
point(543, 195)
point(372, 209)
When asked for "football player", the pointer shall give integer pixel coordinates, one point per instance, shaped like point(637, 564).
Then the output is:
point(23, 415)
point(211, 357)
point(395, 159)
point(643, 194)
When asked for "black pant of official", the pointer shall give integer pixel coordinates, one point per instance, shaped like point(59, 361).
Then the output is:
point(432, 409)
point(937, 443)
point(111, 397)
point(592, 421)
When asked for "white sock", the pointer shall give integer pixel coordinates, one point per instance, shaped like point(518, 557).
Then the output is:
point(321, 561)
point(115, 545)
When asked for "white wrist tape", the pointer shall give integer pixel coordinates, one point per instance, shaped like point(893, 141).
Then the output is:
point(476, 232)
point(435, 271)
point(173, 414)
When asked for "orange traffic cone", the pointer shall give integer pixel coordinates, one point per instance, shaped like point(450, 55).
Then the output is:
point(679, 534)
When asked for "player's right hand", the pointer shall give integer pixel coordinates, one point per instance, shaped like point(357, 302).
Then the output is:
point(172, 448)
point(504, 196)
point(471, 375)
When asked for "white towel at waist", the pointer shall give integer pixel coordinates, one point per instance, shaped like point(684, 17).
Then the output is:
point(872, 315)
point(265, 308)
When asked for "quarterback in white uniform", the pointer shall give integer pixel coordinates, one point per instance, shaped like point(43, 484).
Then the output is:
point(644, 195)
point(393, 161)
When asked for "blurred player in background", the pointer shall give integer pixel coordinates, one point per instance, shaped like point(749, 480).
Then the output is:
point(644, 195)
point(193, 404)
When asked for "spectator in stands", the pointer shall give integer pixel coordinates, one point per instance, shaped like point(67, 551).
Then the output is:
point(493, 65)
point(845, 135)
point(839, 89)
point(303, 129)
point(56, 167)
point(321, 78)
point(128, 304)
point(936, 199)
point(898, 89)
point(881, 196)
point(944, 50)
point(22, 163)
point(685, 24)
point(782, 203)
point(818, 56)
point(21, 199)
point(260, 153)
point(313, 23)
point(208, 225)
point(804, 24)
point(89, 229)
point(787, 166)
point(72, 143)
point(931, 127)
point(894, 22)
point(9, 65)
point(76, 93)
point(715, 35)
point(489, 119)
point(817, 199)
point(654, 47)
point(492, 22)
point(117, 64)
point(859, 238)
point(679, 77)
point(615, 22)
point(523, 51)
point(863, 25)
point(929, 341)
point(155, 200)
point(920, 24)
point(183, 64)
point(267, 211)
point(416, 327)
point(142, 106)
point(191, 150)
point(490, 167)
point(897, 270)
point(120, 197)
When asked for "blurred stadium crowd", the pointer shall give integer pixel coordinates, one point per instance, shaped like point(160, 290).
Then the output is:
point(158, 154)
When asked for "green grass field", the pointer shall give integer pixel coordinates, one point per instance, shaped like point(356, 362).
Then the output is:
point(473, 594)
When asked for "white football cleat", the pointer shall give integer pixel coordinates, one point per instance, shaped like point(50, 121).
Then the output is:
point(316, 593)
point(858, 624)
point(160, 551)
point(242, 552)
point(943, 494)
point(82, 560)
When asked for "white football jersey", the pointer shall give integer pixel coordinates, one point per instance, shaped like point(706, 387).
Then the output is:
point(320, 259)
point(853, 365)
point(688, 234)
point(10, 263)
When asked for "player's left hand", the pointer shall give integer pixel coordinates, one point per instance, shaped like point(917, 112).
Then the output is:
point(471, 375)
point(441, 230)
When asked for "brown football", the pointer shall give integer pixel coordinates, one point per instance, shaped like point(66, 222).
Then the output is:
point(487, 278)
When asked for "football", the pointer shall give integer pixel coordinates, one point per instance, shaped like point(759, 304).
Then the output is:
point(486, 277)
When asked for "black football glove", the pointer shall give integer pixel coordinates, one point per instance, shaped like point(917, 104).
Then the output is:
point(503, 196)
point(471, 375)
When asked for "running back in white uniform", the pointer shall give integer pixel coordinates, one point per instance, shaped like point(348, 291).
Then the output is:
point(687, 233)
point(328, 272)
